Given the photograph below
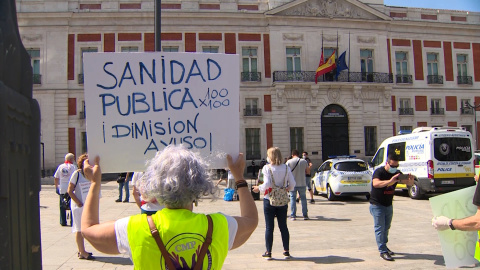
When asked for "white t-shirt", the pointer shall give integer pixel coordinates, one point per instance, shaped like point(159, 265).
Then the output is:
point(147, 206)
point(123, 245)
point(63, 173)
point(280, 176)
point(82, 187)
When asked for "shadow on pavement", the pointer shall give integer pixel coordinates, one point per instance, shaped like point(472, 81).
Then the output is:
point(114, 260)
point(325, 260)
point(321, 218)
point(408, 256)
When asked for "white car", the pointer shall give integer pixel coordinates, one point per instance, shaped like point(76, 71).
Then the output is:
point(342, 176)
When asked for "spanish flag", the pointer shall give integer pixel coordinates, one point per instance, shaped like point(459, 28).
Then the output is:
point(326, 67)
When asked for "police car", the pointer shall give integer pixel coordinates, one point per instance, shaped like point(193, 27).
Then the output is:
point(342, 176)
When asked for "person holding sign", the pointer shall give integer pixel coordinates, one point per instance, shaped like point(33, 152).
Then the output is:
point(78, 190)
point(471, 223)
point(175, 236)
point(384, 181)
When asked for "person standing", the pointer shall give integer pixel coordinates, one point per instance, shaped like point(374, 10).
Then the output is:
point(144, 238)
point(123, 179)
point(384, 181)
point(146, 207)
point(308, 177)
point(78, 189)
point(62, 176)
point(298, 167)
point(275, 174)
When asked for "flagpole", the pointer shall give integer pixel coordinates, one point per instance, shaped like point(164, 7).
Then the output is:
point(348, 57)
point(323, 60)
point(336, 54)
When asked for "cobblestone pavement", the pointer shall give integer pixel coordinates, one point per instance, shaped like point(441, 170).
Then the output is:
point(338, 236)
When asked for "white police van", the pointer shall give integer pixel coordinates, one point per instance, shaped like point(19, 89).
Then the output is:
point(440, 158)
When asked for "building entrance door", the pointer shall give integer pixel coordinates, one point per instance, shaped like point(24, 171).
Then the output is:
point(335, 140)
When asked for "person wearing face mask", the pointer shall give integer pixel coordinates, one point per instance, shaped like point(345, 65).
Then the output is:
point(384, 181)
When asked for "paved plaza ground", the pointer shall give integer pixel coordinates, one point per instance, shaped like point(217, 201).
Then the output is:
point(338, 236)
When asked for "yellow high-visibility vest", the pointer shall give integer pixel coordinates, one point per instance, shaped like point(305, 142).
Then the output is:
point(183, 233)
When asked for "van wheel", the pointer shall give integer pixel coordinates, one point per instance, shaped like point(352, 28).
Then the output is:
point(330, 195)
point(315, 192)
point(415, 192)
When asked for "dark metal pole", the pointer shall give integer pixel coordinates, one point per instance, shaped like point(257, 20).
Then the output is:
point(158, 25)
point(43, 159)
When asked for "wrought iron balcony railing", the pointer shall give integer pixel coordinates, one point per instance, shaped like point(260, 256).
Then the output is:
point(464, 80)
point(405, 111)
point(437, 111)
point(403, 78)
point(466, 110)
point(80, 78)
point(252, 112)
point(37, 79)
point(309, 76)
point(434, 79)
point(251, 76)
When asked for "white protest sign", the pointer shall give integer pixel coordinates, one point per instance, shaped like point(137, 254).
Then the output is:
point(139, 103)
point(458, 247)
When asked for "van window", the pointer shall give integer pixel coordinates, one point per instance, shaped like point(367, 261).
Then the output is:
point(378, 157)
point(351, 166)
point(452, 149)
point(397, 149)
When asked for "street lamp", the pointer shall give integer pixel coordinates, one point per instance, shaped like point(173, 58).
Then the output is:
point(158, 25)
point(474, 107)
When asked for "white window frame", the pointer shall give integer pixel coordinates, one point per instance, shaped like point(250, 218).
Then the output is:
point(81, 46)
point(437, 61)
point(366, 58)
point(293, 58)
point(403, 61)
point(401, 102)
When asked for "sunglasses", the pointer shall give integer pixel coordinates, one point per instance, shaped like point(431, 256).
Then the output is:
point(392, 166)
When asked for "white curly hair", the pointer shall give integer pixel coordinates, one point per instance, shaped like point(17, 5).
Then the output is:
point(175, 177)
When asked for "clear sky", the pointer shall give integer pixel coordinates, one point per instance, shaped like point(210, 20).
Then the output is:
point(467, 5)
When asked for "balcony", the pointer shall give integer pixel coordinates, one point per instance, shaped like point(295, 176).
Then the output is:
point(434, 79)
point(437, 111)
point(251, 76)
point(309, 76)
point(403, 79)
point(82, 115)
point(252, 112)
point(37, 79)
point(466, 110)
point(80, 78)
point(464, 80)
point(405, 111)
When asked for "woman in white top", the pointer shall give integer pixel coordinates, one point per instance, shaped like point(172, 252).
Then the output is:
point(78, 190)
point(278, 174)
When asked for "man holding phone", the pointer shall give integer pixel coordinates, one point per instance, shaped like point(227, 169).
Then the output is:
point(384, 181)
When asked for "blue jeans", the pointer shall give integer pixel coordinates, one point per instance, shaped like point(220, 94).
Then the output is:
point(382, 218)
point(270, 213)
point(120, 190)
point(303, 199)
